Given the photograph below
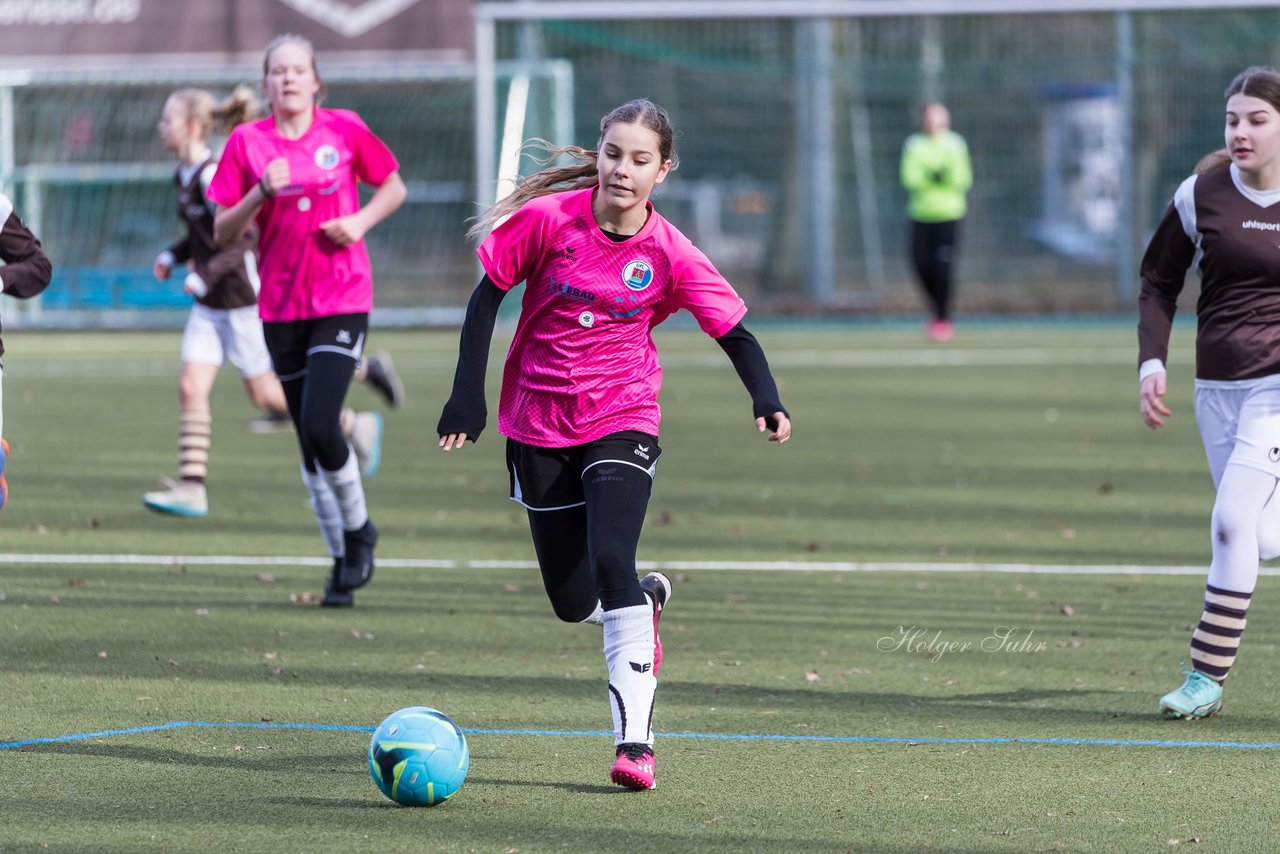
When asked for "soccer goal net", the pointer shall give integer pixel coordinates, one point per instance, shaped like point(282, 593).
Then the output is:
point(82, 159)
point(1081, 117)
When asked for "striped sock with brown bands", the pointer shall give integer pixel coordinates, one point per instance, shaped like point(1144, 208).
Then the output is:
point(195, 430)
point(1216, 640)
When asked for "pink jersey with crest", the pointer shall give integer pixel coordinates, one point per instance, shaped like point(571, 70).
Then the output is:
point(305, 274)
point(583, 363)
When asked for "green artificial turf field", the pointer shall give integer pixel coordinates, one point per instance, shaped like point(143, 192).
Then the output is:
point(170, 684)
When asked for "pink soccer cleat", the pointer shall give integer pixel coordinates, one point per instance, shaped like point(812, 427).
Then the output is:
point(633, 769)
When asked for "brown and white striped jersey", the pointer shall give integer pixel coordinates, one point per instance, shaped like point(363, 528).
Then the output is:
point(27, 269)
point(1231, 233)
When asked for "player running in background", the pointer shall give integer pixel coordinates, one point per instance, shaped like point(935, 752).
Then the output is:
point(1225, 219)
point(579, 403)
point(296, 175)
point(26, 273)
point(224, 324)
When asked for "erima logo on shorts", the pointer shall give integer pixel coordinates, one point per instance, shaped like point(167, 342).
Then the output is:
point(344, 337)
point(642, 451)
point(637, 275)
point(326, 157)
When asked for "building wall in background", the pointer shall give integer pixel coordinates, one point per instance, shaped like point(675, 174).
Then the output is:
point(61, 32)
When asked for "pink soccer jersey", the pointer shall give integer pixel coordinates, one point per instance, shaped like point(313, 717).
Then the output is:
point(304, 273)
point(583, 363)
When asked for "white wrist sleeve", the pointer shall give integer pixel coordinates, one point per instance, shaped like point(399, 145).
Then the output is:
point(195, 284)
point(1149, 367)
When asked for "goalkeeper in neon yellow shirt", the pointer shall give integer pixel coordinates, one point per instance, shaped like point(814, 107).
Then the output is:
point(937, 175)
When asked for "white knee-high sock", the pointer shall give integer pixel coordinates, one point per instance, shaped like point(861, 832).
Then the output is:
point(349, 491)
point(628, 654)
point(1238, 527)
point(328, 515)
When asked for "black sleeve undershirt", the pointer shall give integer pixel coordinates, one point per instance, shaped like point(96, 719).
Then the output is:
point(748, 360)
point(465, 411)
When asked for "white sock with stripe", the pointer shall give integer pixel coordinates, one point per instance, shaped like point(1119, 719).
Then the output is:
point(328, 515)
point(348, 489)
point(596, 616)
point(628, 654)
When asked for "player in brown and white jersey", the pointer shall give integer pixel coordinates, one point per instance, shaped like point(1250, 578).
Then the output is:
point(26, 273)
point(224, 324)
point(1225, 221)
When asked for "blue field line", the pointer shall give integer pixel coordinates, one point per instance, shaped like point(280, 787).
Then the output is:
point(716, 736)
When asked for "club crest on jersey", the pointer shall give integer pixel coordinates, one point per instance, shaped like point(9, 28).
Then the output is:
point(637, 275)
point(587, 319)
point(326, 157)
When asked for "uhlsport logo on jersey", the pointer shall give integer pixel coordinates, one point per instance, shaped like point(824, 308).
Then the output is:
point(326, 157)
point(637, 275)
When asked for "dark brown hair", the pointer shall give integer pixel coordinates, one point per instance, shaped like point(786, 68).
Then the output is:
point(1257, 81)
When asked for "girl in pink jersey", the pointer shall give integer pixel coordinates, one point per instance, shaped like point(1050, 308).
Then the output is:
point(579, 403)
point(223, 324)
point(296, 175)
point(1224, 219)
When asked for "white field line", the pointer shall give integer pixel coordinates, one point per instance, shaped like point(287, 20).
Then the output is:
point(713, 359)
point(927, 358)
point(667, 565)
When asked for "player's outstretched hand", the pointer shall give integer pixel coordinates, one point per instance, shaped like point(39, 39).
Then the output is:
point(780, 424)
point(449, 441)
point(1149, 401)
point(162, 266)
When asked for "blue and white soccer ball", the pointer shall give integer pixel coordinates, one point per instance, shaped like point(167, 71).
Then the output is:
point(418, 757)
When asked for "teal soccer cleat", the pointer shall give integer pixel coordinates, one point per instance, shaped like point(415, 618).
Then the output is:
point(1199, 697)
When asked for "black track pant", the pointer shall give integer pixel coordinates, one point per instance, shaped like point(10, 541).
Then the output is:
point(315, 404)
point(933, 255)
point(588, 553)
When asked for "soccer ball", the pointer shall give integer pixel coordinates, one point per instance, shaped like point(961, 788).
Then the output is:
point(418, 757)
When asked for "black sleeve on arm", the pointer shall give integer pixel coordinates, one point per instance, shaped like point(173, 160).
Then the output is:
point(465, 411)
point(181, 250)
point(748, 360)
